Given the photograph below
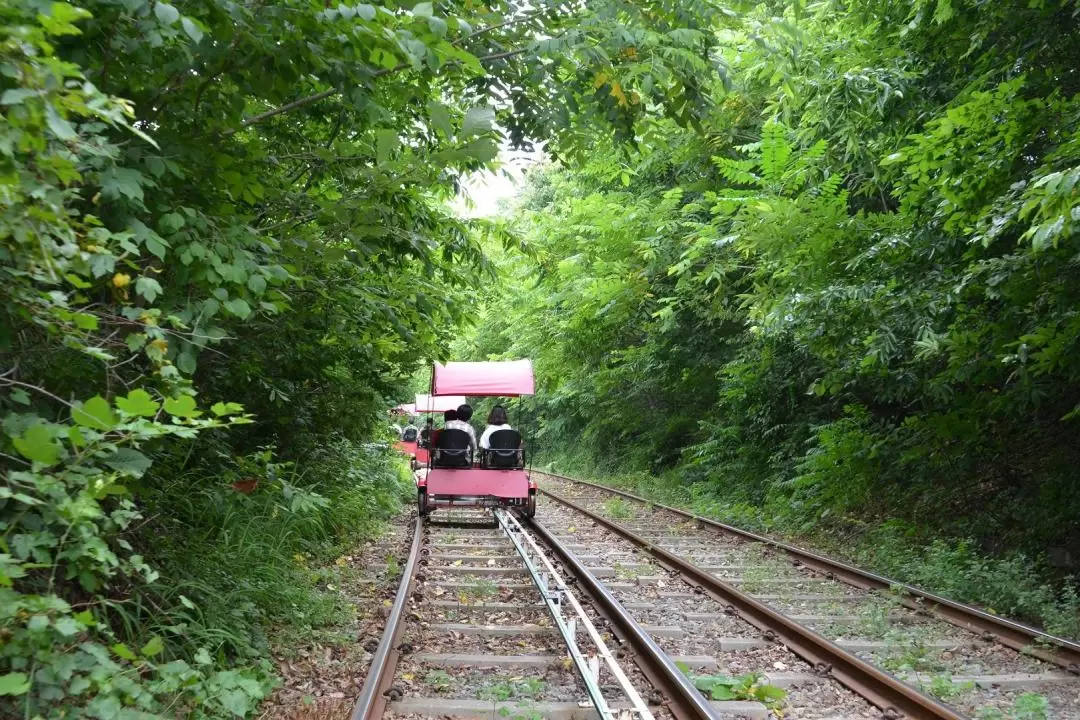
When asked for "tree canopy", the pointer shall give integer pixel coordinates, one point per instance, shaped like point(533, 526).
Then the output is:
point(819, 257)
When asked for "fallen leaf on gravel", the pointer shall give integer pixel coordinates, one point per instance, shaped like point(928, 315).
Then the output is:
point(779, 665)
point(407, 677)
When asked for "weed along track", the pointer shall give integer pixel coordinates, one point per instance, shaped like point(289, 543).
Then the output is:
point(734, 604)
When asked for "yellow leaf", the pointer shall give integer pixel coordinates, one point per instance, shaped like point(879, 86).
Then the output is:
point(387, 603)
point(122, 280)
point(407, 677)
point(618, 94)
point(600, 79)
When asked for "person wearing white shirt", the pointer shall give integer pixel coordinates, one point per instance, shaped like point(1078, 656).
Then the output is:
point(464, 412)
point(497, 420)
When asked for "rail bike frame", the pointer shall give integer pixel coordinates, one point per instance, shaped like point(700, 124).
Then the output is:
point(470, 487)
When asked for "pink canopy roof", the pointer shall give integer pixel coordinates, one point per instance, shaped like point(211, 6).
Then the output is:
point(508, 378)
point(438, 403)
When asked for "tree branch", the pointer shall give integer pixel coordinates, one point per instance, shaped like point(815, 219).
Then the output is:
point(330, 92)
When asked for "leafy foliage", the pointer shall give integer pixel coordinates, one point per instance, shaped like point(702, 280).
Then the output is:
point(223, 246)
point(850, 298)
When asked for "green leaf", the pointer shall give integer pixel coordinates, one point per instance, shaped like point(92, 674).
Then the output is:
point(424, 9)
point(478, 120)
point(152, 648)
point(183, 406)
point(440, 119)
point(85, 321)
point(15, 683)
point(238, 307)
point(15, 96)
point(367, 12)
point(124, 651)
point(68, 626)
point(256, 284)
point(386, 141)
point(148, 287)
point(128, 461)
point(166, 13)
point(37, 444)
point(95, 413)
point(60, 127)
point(138, 403)
point(221, 408)
point(193, 31)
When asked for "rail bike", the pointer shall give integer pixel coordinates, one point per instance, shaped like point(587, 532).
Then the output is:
point(455, 476)
point(415, 448)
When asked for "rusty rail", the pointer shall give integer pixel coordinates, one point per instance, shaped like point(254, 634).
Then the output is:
point(1017, 636)
point(682, 698)
point(373, 695)
point(895, 698)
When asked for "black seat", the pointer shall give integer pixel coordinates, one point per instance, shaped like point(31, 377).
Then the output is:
point(452, 449)
point(409, 435)
point(505, 452)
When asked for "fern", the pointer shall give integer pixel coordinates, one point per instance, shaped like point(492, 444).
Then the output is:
point(775, 152)
point(737, 172)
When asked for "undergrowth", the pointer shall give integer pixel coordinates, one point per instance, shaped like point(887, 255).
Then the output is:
point(1013, 585)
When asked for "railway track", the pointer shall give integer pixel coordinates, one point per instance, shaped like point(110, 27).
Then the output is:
point(487, 623)
point(747, 604)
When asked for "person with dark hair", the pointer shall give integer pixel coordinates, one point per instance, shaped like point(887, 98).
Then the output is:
point(425, 432)
point(497, 420)
point(464, 413)
point(448, 416)
point(410, 431)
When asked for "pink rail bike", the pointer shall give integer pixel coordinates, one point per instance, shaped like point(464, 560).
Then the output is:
point(494, 477)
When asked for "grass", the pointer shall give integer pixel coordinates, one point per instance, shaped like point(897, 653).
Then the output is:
point(243, 573)
point(618, 508)
point(1029, 706)
point(478, 590)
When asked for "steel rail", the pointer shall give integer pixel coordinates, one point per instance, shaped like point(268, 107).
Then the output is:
point(555, 600)
point(373, 695)
point(895, 698)
point(684, 700)
point(1010, 633)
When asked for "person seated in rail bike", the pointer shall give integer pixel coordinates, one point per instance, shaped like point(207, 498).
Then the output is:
point(410, 432)
point(464, 414)
point(447, 417)
point(453, 448)
point(497, 420)
point(425, 434)
point(500, 444)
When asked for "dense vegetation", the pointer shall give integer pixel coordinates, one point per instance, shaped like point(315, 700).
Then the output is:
point(224, 246)
point(811, 265)
point(846, 304)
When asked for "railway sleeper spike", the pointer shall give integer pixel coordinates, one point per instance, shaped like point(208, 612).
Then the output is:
point(731, 610)
point(823, 669)
point(987, 636)
point(770, 636)
point(395, 693)
point(1073, 668)
point(405, 648)
point(371, 645)
point(891, 713)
